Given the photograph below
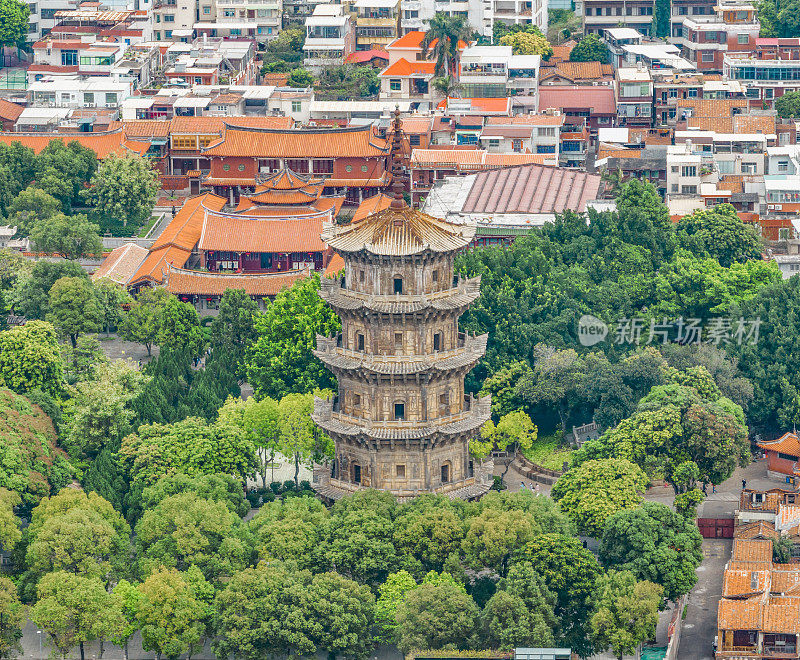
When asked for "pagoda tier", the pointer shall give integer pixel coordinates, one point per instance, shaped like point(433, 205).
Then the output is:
point(461, 358)
point(412, 432)
point(455, 299)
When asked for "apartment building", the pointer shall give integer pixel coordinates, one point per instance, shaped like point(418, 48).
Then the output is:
point(377, 23)
point(73, 92)
point(493, 72)
point(174, 20)
point(765, 80)
point(260, 20)
point(705, 38)
point(601, 15)
point(329, 38)
point(634, 97)
point(536, 134)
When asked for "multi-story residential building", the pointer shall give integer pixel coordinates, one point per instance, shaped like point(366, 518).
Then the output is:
point(377, 23)
point(576, 73)
point(493, 72)
point(175, 19)
point(634, 97)
point(72, 92)
point(765, 80)
point(600, 15)
point(329, 37)
point(408, 81)
point(516, 12)
point(537, 134)
point(704, 39)
point(582, 106)
point(42, 17)
point(257, 19)
point(689, 8)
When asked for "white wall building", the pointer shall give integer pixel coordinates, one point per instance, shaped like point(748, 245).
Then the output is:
point(329, 37)
point(94, 92)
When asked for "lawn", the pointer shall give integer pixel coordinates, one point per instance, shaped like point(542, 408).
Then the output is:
point(547, 453)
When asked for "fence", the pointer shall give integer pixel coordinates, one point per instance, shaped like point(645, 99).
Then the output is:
point(535, 472)
point(716, 528)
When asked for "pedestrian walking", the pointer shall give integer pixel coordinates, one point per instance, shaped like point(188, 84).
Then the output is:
point(522, 485)
point(713, 488)
point(744, 484)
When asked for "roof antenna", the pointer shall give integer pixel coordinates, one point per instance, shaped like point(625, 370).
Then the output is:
point(396, 155)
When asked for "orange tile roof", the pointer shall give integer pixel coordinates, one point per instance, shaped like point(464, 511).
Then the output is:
point(745, 583)
point(713, 107)
point(243, 234)
point(740, 614)
point(190, 282)
point(788, 443)
point(372, 205)
point(755, 550)
point(484, 104)
point(782, 615)
point(757, 529)
point(364, 56)
point(732, 182)
point(357, 141)
point(576, 71)
point(507, 160)
point(526, 120)
point(416, 125)
point(121, 264)
point(227, 99)
point(335, 266)
point(562, 51)
point(10, 111)
point(207, 125)
point(153, 267)
point(618, 153)
point(405, 68)
point(786, 579)
point(788, 516)
point(103, 144)
point(413, 40)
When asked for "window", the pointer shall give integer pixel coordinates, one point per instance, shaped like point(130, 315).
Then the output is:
point(348, 168)
point(361, 276)
point(708, 57)
point(157, 35)
point(547, 131)
point(516, 145)
point(111, 98)
point(188, 142)
point(545, 148)
point(205, 140)
point(445, 473)
point(323, 166)
point(691, 93)
point(299, 165)
point(437, 341)
point(748, 168)
point(787, 457)
point(689, 170)
point(356, 400)
point(674, 187)
point(206, 10)
point(414, 140)
point(360, 341)
point(435, 276)
point(400, 471)
point(88, 98)
point(364, 168)
point(168, 35)
point(297, 106)
point(398, 285)
point(395, 84)
point(169, 18)
point(783, 166)
point(399, 411)
point(689, 190)
point(725, 166)
point(742, 38)
point(69, 58)
point(226, 167)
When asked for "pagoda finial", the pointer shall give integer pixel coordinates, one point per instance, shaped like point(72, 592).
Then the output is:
point(396, 155)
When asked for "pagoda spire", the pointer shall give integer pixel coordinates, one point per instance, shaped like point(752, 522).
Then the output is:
point(396, 156)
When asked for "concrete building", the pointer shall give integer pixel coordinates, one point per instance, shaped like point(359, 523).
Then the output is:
point(600, 15)
point(377, 23)
point(494, 71)
point(329, 38)
point(634, 97)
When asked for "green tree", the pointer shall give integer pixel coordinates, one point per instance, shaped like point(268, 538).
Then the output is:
point(289, 530)
point(502, 387)
point(13, 22)
point(12, 619)
point(142, 323)
point(447, 86)
point(391, 594)
point(73, 610)
point(515, 429)
point(63, 170)
point(29, 296)
point(281, 360)
point(430, 531)
point(30, 359)
point(626, 613)
point(347, 82)
point(589, 49)
point(340, 613)
point(125, 187)
point(521, 612)
point(443, 36)
point(662, 11)
point(129, 598)
point(179, 327)
point(223, 488)
point(437, 617)
point(185, 530)
point(301, 78)
point(10, 533)
point(720, 233)
point(494, 534)
point(234, 327)
point(259, 614)
point(788, 105)
point(74, 309)
point(110, 297)
point(526, 43)
point(570, 571)
point(69, 237)
point(170, 614)
point(99, 411)
point(596, 490)
point(299, 436)
point(655, 543)
point(31, 206)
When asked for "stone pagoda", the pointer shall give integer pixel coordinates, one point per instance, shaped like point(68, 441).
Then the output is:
point(401, 420)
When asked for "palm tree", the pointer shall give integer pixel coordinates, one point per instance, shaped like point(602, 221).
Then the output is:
point(446, 31)
point(447, 86)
